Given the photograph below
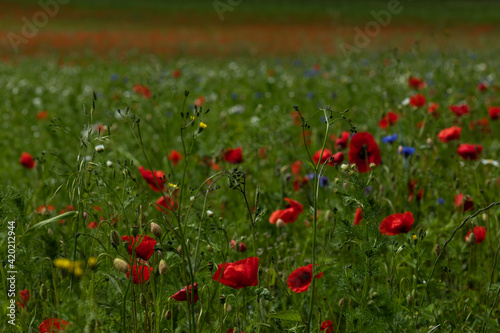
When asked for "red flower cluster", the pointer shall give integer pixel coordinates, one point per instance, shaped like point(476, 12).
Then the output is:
point(336, 158)
point(154, 179)
point(459, 109)
point(300, 279)
point(287, 215)
point(363, 151)
point(479, 234)
point(239, 274)
point(388, 120)
point(469, 151)
point(482, 125)
point(233, 156)
point(143, 245)
point(52, 325)
point(451, 133)
point(27, 160)
point(396, 224)
point(326, 326)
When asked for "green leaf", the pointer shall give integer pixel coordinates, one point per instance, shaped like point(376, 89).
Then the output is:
point(289, 315)
point(63, 216)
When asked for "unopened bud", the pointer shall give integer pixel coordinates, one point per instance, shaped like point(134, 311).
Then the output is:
point(227, 307)
point(484, 217)
point(210, 266)
point(121, 265)
point(341, 302)
point(222, 299)
point(115, 238)
point(162, 267)
point(43, 292)
point(168, 315)
point(280, 223)
point(372, 165)
point(156, 230)
point(437, 250)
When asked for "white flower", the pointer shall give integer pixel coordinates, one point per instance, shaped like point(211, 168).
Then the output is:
point(210, 213)
point(109, 164)
point(490, 161)
point(405, 101)
point(344, 167)
point(99, 148)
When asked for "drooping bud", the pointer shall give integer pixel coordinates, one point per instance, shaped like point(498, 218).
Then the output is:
point(168, 315)
point(115, 238)
point(121, 265)
point(222, 299)
point(437, 250)
point(156, 230)
point(162, 267)
point(43, 292)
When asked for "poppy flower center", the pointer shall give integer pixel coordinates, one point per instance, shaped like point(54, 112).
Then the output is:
point(363, 153)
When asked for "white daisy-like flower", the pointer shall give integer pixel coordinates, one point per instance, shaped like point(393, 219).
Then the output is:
point(490, 161)
point(99, 148)
point(405, 101)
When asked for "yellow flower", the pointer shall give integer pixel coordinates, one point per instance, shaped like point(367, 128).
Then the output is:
point(203, 125)
point(63, 263)
point(414, 237)
point(172, 185)
point(92, 262)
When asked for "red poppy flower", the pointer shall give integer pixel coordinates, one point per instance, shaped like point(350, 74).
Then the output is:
point(24, 297)
point(53, 325)
point(450, 133)
point(142, 90)
point(464, 204)
point(296, 167)
point(479, 234)
point(42, 115)
point(469, 151)
point(396, 223)
point(482, 125)
point(239, 274)
point(416, 83)
point(359, 216)
point(363, 151)
point(432, 110)
point(459, 109)
point(154, 178)
point(162, 205)
point(182, 295)
point(176, 73)
point(301, 278)
point(45, 210)
point(231, 330)
point(141, 273)
point(417, 100)
point(482, 86)
point(144, 248)
point(233, 156)
point(93, 225)
point(175, 157)
point(240, 248)
point(326, 155)
point(389, 119)
point(199, 101)
point(27, 160)
point(341, 142)
point(494, 112)
point(326, 326)
point(336, 158)
point(287, 215)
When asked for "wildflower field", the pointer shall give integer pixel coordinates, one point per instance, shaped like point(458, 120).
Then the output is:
point(269, 193)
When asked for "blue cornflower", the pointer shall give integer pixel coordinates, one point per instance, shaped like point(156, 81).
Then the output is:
point(407, 151)
point(390, 138)
point(114, 77)
point(440, 201)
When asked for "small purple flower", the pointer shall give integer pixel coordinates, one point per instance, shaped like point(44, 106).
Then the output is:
point(440, 201)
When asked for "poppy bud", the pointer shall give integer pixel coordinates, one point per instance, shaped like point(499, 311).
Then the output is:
point(400, 150)
point(437, 250)
point(485, 217)
point(280, 223)
point(168, 315)
point(227, 307)
point(43, 292)
point(341, 302)
point(115, 238)
point(121, 265)
point(471, 239)
point(429, 142)
point(156, 230)
point(142, 299)
point(210, 266)
point(162, 267)
point(222, 299)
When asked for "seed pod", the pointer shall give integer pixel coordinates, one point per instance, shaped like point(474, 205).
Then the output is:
point(115, 238)
point(437, 250)
point(168, 315)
